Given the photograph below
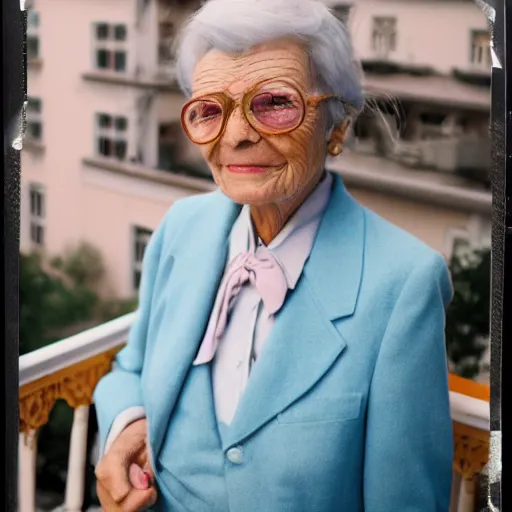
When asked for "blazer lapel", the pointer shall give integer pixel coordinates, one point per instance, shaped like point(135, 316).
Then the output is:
point(199, 261)
point(304, 343)
point(335, 265)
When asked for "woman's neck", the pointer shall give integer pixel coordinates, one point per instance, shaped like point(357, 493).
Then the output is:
point(269, 219)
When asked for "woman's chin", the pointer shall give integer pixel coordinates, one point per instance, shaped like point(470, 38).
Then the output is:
point(252, 194)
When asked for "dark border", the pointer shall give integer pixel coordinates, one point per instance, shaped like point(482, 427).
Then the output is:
point(14, 94)
point(501, 248)
point(506, 323)
point(507, 296)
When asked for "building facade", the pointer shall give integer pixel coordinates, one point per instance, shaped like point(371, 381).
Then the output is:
point(104, 156)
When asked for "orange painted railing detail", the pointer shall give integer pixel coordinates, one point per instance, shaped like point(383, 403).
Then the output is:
point(469, 387)
point(471, 445)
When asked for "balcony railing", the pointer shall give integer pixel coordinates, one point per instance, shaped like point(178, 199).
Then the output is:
point(68, 370)
point(71, 368)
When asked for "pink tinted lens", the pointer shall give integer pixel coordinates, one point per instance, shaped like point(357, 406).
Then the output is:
point(203, 119)
point(277, 108)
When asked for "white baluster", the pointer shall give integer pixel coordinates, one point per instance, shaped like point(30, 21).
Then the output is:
point(454, 501)
point(27, 456)
point(466, 496)
point(77, 459)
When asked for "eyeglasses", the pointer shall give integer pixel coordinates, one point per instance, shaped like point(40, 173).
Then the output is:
point(272, 107)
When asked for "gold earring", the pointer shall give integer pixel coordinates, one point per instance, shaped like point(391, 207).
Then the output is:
point(335, 148)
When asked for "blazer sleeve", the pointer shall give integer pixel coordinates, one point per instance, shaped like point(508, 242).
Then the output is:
point(120, 389)
point(409, 439)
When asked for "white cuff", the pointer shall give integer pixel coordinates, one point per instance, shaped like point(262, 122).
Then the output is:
point(121, 422)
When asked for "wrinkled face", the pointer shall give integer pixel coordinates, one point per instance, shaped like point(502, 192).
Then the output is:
point(251, 167)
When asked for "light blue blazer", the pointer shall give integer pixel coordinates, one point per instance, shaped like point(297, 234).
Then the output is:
point(347, 408)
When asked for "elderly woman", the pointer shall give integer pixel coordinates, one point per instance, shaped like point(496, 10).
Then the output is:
point(288, 352)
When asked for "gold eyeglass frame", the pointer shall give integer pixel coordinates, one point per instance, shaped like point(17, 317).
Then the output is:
point(228, 105)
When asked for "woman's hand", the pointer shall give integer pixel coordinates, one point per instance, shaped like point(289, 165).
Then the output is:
point(125, 481)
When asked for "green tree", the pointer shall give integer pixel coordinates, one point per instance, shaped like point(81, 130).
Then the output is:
point(48, 305)
point(467, 322)
point(83, 264)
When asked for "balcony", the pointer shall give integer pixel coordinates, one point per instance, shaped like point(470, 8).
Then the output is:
point(71, 368)
point(33, 145)
point(389, 177)
point(464, 155)
point(180, 177)
point(157, 82)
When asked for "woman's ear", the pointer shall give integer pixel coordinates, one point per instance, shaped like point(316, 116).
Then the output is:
point(337, 138)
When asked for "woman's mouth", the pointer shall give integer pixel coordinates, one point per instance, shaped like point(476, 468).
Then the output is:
point(251, 169)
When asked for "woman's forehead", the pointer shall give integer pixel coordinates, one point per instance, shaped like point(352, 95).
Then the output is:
point(219, 70)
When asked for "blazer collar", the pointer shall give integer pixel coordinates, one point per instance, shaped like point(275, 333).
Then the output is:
point(335, 265)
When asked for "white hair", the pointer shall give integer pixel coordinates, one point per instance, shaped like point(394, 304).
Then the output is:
point(234, 26)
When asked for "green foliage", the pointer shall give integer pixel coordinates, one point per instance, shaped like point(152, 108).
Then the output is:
point(110, 309)
point(48, 305)
point(467, 322)
point(83, 264)
point(34, 286)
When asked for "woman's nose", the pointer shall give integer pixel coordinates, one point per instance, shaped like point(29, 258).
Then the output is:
point(238, 130)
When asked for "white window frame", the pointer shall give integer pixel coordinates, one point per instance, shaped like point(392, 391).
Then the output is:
point(111, 45)
point(111, 133)
point(140, 235)
point(37, 215)
point(384, 35)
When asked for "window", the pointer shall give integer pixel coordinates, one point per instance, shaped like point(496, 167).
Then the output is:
point(110, 47)
point(37, 214)
point(166, 33)
point(32, 19)
point(342, 12)
point(32, 35)
point(32, 47)
point(384, 36)
point(481, 49)
point(140, 241)
point(120, 32)
point(111, 139)
point(34, 121)
point(168, 144)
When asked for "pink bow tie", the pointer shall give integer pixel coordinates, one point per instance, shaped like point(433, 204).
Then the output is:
point(263, 271)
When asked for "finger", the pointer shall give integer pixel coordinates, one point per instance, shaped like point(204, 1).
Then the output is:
point(107, 502)
point(138, 500)
point(112, 472)
point(149, 471)
point(143, 461)
point(142, 458)
point(138, 477)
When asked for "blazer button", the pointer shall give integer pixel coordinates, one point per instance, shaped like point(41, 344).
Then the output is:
point(235, 455)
